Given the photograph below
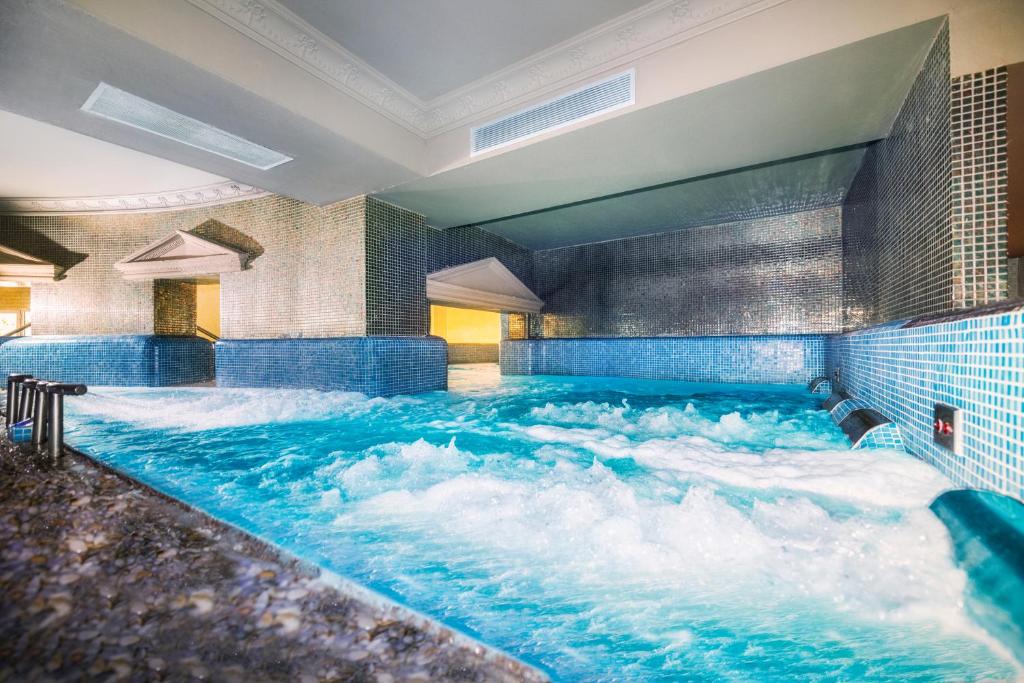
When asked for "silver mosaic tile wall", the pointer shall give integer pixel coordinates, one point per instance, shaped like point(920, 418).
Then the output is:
point(775, 275)
point(396, 297)
point(401, 249)
point(92, 298)
point(897, 235)
point(310, 279)
point(307, 275)
point(979, 177)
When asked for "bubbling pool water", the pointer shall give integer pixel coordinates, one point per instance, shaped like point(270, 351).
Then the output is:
point(601, 529)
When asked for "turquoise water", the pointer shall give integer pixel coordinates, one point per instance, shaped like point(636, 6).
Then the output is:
point(599, 529)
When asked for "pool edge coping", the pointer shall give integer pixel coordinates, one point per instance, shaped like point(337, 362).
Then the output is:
point(329, 578)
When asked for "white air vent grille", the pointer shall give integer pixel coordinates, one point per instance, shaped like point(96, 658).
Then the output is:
point(117, 105)
point(596, 98)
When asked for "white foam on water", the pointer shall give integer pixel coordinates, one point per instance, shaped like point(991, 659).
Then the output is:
point(199, 409)
point(585, 533)
point(660, 539)
point(869, 476)
point(765, 428)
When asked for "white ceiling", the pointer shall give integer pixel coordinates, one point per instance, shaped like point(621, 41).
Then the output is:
point(431, 48)
point(40, 160)
point(846, 96)
point(787, 186)
point(52, 56)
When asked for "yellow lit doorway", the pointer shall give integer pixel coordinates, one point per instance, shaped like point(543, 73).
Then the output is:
point(472, 335)
point(208, 310)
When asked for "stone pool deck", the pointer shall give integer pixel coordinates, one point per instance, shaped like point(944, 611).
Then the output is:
point(104, 579)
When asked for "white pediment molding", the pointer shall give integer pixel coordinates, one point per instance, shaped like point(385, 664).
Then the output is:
point(18, 266)
point(181, 255)
point(629, 37)
point(206, 195)
point(485, 284)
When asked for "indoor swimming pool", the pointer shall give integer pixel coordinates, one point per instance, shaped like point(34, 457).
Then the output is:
point(599, 529)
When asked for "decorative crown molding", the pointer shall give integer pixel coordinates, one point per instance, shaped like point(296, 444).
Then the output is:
point(631, 36)
point(207, 195)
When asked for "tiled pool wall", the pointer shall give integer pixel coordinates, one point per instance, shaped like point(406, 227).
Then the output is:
point(777, 359)
point(376, 366)
point(120, 360)
point(975, 364)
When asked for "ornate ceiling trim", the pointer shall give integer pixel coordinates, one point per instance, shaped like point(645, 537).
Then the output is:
point(631, 36)
point(207, 195)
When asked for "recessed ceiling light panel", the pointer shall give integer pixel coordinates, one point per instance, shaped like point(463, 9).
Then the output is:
point(117, 105)
point(597, 98)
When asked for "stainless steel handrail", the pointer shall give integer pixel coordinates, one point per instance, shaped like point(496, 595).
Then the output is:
point(14, 332)
point(206, 332)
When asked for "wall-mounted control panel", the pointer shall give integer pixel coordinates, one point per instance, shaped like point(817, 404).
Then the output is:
point(947, 428)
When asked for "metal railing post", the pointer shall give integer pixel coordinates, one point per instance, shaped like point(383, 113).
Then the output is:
point(25, 402)
point(55, 392)
point(55, 445)
point(13, 390)
point(39, 416)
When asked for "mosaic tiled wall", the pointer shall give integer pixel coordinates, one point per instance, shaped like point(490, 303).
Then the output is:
point(973, 363)
point(401, 250)
point(174, 308)
point(979, 175)
point(117, 360)
point(774, 275)
point(306, 276)
point(784, 359)
point(897, 235)
point(376, 366)
point(459, 354)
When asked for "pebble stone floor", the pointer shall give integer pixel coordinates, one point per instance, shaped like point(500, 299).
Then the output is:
point(104, 579)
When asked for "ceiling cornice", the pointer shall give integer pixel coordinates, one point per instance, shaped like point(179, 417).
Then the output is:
point(629, 37)
point(207, 195)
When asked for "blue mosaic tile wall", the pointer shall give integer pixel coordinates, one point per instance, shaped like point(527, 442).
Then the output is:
point(784, 359)
point(775, 275)
point(375, 366)
point(897, 234)
point(114, 360)
point(973, 363)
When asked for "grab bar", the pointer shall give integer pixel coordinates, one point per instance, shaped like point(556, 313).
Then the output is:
point(211, 335)
point(14, 332)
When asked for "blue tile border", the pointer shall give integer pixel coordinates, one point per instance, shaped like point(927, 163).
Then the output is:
point(111, 360)
point(774, 359)
point(973, 363)
point(375, 366)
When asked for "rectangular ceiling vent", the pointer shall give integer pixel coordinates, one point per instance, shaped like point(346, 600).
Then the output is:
point(579, 105)
point(123, 107)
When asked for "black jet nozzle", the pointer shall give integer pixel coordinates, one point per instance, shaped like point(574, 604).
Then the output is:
point(18, 377)
point(64, 389)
